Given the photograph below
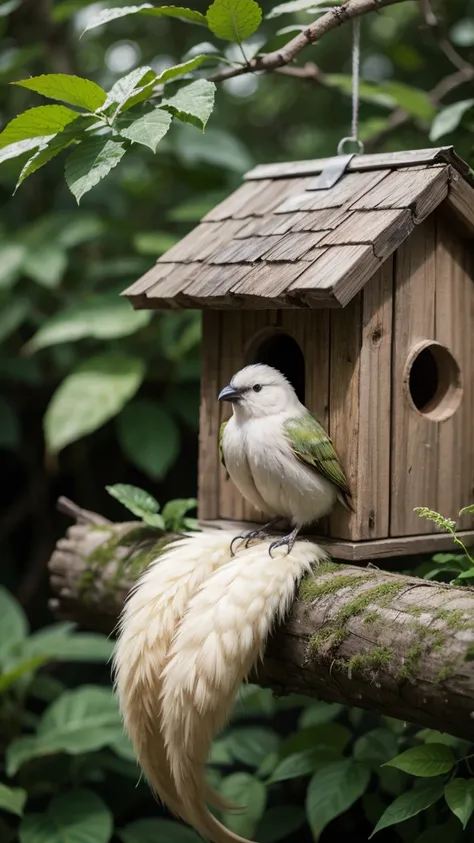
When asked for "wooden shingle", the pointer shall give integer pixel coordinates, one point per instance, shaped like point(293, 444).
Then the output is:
point(278, 242)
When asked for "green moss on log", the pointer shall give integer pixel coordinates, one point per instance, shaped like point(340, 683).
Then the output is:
point(368, 662)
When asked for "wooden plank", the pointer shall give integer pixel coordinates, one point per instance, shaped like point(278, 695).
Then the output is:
point(363, 227)
point(171, 285)
point(364, 551)
point(415, 438)
point(244, 251)
point(382, 160)
point(233, 203)
point(349, 189)
point(344, 374)
point(208, 462)
point(454, 330)
point(460, 200)
point(293, 246)
point(421, 190)
point(323, 220)
point(231, 503)
point(338, 274)
point(210, 287)
point(373, 475)
point(270, 225)
point(267, 281)
point(272, 195)
point(136, 293)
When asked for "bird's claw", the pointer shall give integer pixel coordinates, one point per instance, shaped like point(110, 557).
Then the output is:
point(286, 541)
point(247, 538)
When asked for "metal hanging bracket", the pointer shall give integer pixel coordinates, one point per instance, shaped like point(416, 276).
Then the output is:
point(333, 171)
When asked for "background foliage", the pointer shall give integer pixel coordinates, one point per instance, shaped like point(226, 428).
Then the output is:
point(95, 394)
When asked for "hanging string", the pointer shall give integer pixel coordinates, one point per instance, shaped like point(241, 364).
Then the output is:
point(354, 138)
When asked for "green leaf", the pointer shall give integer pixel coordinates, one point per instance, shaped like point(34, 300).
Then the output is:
point(449, 118)
point(101, 316)
point(54, 145)
point(149, 129)
point(157, 831)
point(182, 69)
point(66, 88)
point(12, 256)
point(46, 265)
point(415, 101)
point(426, 761)
point(12, 800)
point(467, 510)
point(79, 816)
point(247, 791)
point(279, 823)
point(94, 393)
point(124, 87)
point(252, 745)
point(193, 103)
point(148, 437)
point(332, 790)
point(14, 150)
point(91, 162)
point(376, 747)
point(234, 20)
point(108, 15)
point(173, 514)
point(459, 795)
point(62, 644)
point(13, 623)
point(19, 670)
point(293, 6)
point(12, 314)
point(302, 763)
point(136, 500)
point(319, 712)
point(83, 720)
point(327, 736)
point(433, 736)
point(36, 123)
point(410, 804)
point(10, 433)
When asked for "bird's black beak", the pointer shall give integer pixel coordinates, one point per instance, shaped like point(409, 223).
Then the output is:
point(229, 393)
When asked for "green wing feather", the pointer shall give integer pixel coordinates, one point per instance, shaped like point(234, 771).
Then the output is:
point(311, 444)
point(221, 436)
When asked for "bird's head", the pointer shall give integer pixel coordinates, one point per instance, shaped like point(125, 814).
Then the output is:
point(259, 390)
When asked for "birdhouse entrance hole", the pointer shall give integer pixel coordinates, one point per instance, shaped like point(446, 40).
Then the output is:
point(434, 381)
point(281, 351)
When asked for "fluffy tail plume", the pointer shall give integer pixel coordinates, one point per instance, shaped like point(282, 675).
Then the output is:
point(147, 625)
point(222, 634)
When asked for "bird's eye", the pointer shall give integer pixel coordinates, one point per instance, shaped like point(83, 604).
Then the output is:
point(257, 387)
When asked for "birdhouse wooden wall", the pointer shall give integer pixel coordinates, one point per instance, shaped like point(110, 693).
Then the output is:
point(389, 376)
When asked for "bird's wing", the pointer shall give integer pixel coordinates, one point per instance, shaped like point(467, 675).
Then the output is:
point(311, 444)
point(221, 437)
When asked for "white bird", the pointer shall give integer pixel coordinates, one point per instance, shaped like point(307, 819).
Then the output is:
point(278, 455)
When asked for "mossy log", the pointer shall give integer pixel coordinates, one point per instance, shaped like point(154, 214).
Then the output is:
point(389, 643)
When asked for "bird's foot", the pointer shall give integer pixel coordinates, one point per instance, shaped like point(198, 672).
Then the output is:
point(286, 541)
point(253, 535)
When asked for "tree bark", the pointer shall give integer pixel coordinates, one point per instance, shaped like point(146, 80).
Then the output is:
point(389, 643)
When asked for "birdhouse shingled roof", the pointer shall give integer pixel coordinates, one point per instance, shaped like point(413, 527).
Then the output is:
point(278, 241)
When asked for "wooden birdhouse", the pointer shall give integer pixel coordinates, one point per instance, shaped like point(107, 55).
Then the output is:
point(359, 286)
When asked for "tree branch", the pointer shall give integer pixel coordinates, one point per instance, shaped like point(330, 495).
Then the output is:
point(331, 20)
point(388, 643)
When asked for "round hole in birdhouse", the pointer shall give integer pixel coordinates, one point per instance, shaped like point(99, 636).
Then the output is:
point(280, 350)
point(433, 379)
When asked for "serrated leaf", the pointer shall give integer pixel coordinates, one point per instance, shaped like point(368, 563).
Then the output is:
point(121, 92)
point(234, 20)
point(409, 804)
point(247, 791)
point(13, 623)
point(134, 499)
point(14, 150)
point(148, 437)
point(94, 393)
point(293, 6)
point(279, 823)
point(108, 15)
point(149, 129)
point(181, 69)
point(67, 88)
point(101, 316)
point(426, 761)
point(79, 816)
point(174, 512)
point(193, 103)
point(449, 118)
point(332, 790)
point(12, 799)
point(36, 123)
point(157, 831)
point(83, 720)
point(459, 795)
point(91, 162)
point(54, 145)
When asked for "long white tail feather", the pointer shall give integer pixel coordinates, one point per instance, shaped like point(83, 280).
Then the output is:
point(221, 635)
point(147, 624)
